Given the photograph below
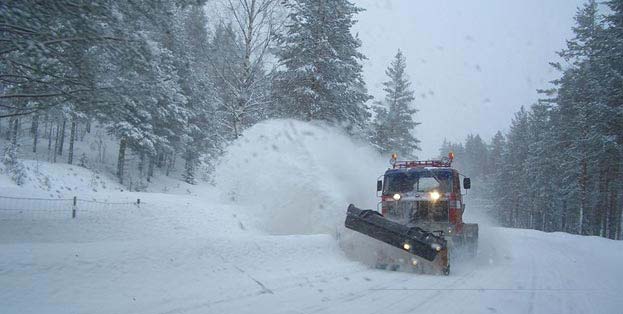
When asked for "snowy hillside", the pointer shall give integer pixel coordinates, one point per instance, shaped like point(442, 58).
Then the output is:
point(214, 251)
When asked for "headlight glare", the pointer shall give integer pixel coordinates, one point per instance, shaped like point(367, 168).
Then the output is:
point(434, 195)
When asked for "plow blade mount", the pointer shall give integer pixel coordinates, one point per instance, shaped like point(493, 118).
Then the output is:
point(411, 239)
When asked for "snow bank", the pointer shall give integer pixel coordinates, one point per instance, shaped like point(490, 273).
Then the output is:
point(50, 180)
point(299, 176)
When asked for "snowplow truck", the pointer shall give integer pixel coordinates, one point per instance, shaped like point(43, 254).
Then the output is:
point(420, 214)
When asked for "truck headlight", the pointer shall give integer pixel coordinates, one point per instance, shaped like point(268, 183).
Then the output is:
point(406, 246)
point(434, 195)
point(396, 197)
point(436, 247)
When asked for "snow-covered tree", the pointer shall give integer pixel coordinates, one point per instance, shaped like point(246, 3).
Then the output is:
point(321, 76)
point(394, 125)
point(495, 153)
point(225, 67)
point(191, 48)
point(239, 57)
point(475, 157)
point(513, 177)
point(13, 166)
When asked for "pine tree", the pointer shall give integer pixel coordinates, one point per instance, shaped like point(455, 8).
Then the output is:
point(513, 175)
point(475, 157)
point(493, 185)
point(581, 107)
point(394, 125)
point(495, 155)
point(612, 79)
point(541, 168)
point(322, 77)
point(191, 48)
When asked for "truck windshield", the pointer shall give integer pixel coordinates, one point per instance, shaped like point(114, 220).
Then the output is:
point(417, 181)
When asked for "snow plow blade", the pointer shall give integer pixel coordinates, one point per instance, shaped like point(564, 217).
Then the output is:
point(411, 239)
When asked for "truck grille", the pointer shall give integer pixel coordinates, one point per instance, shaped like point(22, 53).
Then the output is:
point(417, 211)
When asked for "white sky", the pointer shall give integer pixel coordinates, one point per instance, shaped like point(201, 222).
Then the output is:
point(472, 63)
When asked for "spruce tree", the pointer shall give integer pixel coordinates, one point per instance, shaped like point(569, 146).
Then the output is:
point(394, 125)
point(322, 74)
point(475, 157)
point(513, 175)
point(613, 79)
point(494, 184)
point(541, 168)
point(495, 155)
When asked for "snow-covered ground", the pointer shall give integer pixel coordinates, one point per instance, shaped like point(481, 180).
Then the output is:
point(214, 251)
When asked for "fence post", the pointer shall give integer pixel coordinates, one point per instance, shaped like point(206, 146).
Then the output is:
point(73, 208)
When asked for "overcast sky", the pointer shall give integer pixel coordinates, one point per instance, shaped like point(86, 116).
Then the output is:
point(472, 63)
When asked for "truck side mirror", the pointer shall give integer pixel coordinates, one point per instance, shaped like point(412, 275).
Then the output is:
point(379, 185)
point(467, 183)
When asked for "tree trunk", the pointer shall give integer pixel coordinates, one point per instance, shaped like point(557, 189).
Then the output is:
point(72, 140)
point(170, 163)
point(62, 138)
point(15, 131)
point(141, 164)
point(600, 210)
point(189, 167)
point(34, 130)
point(160, 160)
point(81, 133)
point(612, 213)
point(58, 130)
point(583, 194)
point(618, 205)
point(50, 130)
point(9, 129)
point(150, 169)
point(121, 159)
point(563, 217)
point(235, 126)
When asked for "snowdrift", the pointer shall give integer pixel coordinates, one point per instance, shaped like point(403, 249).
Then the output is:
point(299, 177)
point(50, 180)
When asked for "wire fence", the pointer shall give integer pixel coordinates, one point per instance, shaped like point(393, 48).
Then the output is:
point(71, 208)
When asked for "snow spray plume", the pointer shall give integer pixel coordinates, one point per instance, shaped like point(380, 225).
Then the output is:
point(299, 177)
